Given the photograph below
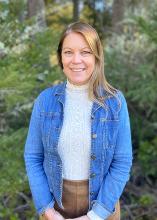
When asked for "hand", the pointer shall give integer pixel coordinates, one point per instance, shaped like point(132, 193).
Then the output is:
point(58, 216)
point(52, 214)
point(84, 217)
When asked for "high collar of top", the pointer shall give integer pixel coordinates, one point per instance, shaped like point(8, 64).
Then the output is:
point(73, 87)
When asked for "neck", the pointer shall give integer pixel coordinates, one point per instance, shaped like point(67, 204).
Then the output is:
point(77, 87)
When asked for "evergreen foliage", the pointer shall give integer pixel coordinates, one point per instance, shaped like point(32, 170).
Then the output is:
point(28, 64)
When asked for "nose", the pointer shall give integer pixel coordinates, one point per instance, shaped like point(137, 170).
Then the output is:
point(76, 58)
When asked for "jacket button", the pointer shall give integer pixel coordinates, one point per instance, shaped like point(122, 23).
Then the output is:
point(92, 175)
point(91, 193)
point(93, 157)
point(92, 203)
point(94, 136)
point(92, 117)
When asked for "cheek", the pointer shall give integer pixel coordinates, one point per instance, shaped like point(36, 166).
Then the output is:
point(91, 62)
point(66, 69)
point(91, 66)
point(65, 63)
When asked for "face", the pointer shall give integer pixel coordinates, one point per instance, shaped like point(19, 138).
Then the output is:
point(77, 59)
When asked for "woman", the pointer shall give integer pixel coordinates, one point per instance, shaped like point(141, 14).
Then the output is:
point(78, 149)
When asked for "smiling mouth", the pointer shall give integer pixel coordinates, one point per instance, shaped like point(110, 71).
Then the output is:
point(78, 70)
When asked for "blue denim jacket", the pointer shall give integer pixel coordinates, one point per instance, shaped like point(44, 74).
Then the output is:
point(111, 151)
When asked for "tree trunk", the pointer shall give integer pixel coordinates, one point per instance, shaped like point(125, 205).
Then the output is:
point(118, 9)
point(75, 10)
point(36, 8)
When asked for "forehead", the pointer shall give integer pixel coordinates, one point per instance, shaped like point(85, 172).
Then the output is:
point(75, 40)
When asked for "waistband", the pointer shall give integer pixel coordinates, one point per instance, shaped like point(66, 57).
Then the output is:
point(75, 182)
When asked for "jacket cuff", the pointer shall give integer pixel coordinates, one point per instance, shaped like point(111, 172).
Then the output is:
point(93, 216)
point(100, 210)
point(50, 205)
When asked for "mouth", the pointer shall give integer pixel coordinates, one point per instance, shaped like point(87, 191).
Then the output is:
point(77, 69)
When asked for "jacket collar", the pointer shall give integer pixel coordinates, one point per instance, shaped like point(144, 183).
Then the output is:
point(60, 92)
point(60, 89)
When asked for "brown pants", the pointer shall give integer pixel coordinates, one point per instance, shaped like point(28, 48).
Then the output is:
point(75, 200)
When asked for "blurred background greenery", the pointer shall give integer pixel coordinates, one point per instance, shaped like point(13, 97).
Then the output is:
point(29, 33)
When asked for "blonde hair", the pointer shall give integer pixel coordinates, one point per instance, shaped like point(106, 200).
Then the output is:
point(99, 88)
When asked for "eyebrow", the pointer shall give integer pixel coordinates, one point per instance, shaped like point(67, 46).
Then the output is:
point(81, 48)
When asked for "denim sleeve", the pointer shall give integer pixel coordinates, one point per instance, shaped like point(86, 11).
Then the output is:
point(34, 157)
point(119, 171)
point(93, 216)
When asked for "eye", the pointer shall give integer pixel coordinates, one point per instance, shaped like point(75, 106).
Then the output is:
point(67, 52)
point(86, 52)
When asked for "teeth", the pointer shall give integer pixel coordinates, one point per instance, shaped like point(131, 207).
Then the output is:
point(77, 70)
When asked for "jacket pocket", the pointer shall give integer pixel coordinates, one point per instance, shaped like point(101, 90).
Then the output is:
point(50, 128)
point(110, 131)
